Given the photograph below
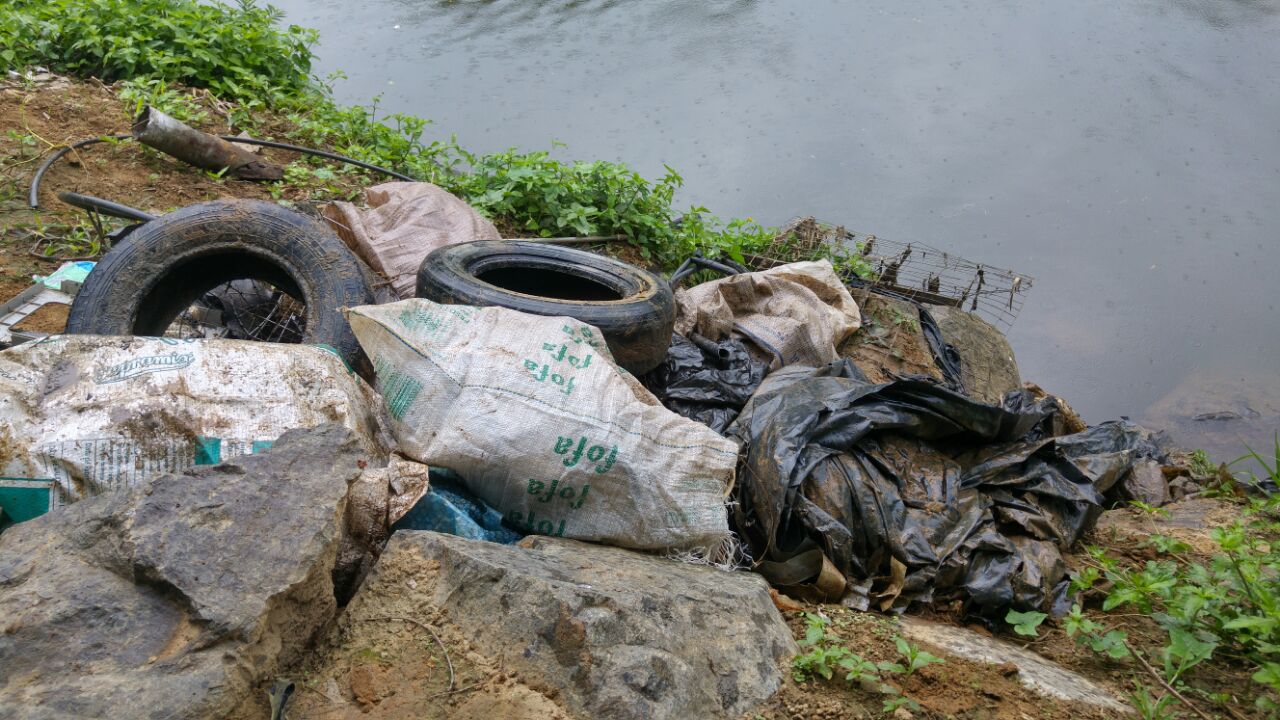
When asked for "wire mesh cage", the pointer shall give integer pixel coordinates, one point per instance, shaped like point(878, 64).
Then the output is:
point(913, 270)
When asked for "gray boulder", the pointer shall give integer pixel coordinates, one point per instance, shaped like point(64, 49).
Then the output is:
point(615, 633)
point(175, 599)
point(987, 366)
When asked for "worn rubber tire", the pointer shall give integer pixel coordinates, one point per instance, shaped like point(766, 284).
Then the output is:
point(148, 279)
point(633, 309)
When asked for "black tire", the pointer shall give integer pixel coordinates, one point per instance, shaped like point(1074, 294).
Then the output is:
point(152, 276)
point(633, 308)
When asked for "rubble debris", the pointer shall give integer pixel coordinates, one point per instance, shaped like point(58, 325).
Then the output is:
point(615, 633)
point(403, 222)
point(539, 422)
point(26, 303)
point(631, 307)
point(180, 595)
point(378, 499)
point(83, 414)
point(912, 473)
point(706, 381)
point(797, 314)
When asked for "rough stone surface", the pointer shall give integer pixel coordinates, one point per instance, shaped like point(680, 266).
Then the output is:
point(172, 600)
point(1037, 673)
point(607, 632)
point(987, 364)
point(1145, 482)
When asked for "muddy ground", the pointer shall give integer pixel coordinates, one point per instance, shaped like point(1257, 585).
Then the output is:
point(375, 663)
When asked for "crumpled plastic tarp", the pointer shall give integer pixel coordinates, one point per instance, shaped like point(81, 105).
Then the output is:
point(916, 493)
point(792, 314)
point(404, 221)
point(706, 381)
point(449, 508)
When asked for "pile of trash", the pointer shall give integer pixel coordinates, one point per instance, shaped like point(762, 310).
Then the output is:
point(556, 392)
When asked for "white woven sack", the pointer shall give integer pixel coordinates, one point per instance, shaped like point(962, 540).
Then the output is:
point(82, 414)
point(541, 424)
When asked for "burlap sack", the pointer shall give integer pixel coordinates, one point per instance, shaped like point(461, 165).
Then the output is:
point(796, 314)
point(404, 222)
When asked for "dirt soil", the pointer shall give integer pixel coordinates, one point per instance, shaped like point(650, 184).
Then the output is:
point(956, 688)
point(890, 342)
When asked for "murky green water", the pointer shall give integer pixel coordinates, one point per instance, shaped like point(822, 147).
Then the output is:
point(1124, 152)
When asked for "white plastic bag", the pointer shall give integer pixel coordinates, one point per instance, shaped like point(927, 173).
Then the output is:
point(541, 424)
point(82, 414)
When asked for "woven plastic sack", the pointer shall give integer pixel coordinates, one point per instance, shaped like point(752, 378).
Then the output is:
point(541, 424)
point(81, 415)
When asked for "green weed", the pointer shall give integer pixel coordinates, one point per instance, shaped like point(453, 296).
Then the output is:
point(1228, 606)
point(826, 657)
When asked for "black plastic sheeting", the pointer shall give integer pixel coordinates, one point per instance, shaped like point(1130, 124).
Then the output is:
point(916, 493)
point(705, 380)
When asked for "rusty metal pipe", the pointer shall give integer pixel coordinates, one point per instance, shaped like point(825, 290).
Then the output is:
point(207, 152)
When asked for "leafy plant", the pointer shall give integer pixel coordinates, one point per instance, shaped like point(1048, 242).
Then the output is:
point(1149, 509)
point(1025, 623)
point(1229, 604)
point(915, 657)
point(159, 94)
point(1201, 465)
point(237, 51)
point(1150, 707)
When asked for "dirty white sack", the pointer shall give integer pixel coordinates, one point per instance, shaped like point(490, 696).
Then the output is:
point(403, 223)
point(538, 420)
point(81, 414)
point(794, 314)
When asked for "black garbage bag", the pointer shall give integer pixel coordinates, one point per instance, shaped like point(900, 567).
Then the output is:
point(705, 380)
point(970, 498)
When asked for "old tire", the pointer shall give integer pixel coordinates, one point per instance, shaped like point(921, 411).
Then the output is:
point(152, 276)
point(634, 309)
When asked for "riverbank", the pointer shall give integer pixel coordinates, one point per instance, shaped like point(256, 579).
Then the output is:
point(1178, 604)
point(48, 111)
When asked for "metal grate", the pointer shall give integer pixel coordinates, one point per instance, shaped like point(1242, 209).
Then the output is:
point(917, 271)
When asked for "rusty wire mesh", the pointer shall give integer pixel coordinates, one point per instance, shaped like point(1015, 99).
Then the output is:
point(243, 310)
point(920, 272)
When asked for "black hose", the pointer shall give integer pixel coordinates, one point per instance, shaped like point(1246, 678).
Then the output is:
point(318, 153)
point(33, 198)
point(90, 203)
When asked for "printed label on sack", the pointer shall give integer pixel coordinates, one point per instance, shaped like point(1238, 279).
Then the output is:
point(567, 353)
point(143, 365)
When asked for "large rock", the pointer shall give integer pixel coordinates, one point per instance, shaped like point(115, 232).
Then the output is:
point(608, 632)
point(988, 368)
point(172, 600)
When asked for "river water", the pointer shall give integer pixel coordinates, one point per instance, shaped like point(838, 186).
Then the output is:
point(1126, 153)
